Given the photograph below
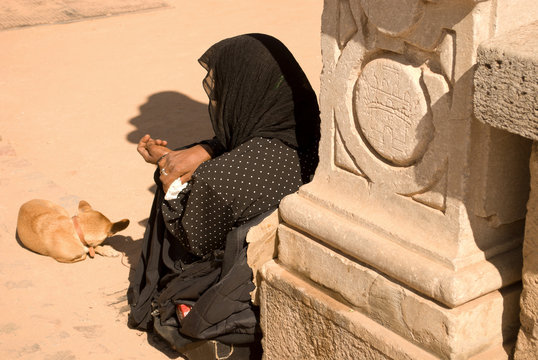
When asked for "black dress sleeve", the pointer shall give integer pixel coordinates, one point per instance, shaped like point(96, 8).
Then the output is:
point(217, 148)
point(172, 211)
point(199, 218)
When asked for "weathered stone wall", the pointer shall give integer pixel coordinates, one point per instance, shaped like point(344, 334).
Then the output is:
point(414, 220)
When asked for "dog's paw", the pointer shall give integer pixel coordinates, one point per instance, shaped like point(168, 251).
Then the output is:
point(106, 250)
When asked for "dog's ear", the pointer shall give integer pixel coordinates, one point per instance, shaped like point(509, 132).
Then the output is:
point(118, 226)
point(83, 206)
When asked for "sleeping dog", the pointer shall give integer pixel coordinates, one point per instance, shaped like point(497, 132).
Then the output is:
point(47, 229)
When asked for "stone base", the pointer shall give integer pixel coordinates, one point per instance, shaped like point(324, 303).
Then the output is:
point(300, 321)
point(320, 216)
point(478, 326)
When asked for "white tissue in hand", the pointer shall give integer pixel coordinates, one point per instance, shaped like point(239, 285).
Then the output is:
point(174, 189)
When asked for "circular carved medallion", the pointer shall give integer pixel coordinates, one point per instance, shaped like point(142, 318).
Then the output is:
point(392, 111)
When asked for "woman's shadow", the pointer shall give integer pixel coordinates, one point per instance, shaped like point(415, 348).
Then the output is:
point(172, 116)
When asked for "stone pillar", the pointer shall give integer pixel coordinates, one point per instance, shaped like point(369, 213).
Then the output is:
point(527, 340)
point(506, 97)
point(407, 243)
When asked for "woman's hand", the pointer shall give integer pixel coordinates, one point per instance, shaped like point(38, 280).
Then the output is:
point(152, 149)
point(181, 163)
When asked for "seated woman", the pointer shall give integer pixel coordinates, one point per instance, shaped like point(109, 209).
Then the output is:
point(192, 282)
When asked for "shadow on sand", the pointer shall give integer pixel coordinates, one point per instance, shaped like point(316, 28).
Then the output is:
point(174, 117)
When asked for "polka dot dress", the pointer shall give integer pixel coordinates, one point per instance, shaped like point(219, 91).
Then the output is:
point(231, 189)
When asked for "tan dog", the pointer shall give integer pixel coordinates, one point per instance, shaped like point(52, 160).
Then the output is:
point(47, 228)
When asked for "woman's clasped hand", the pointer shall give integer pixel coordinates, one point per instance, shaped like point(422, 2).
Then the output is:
point(178, 164)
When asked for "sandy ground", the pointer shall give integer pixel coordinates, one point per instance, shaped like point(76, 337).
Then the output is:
point(74, 100)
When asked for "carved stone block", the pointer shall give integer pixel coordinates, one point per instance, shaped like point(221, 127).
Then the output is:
point(402, 157)
point(445, 332)
point(301, 322)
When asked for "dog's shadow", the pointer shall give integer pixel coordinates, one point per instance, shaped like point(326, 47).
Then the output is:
point(127, 246)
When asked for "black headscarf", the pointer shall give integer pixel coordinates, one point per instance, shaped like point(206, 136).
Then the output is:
point(256, 88)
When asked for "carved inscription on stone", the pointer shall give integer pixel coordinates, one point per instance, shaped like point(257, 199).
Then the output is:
point(392, 111)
